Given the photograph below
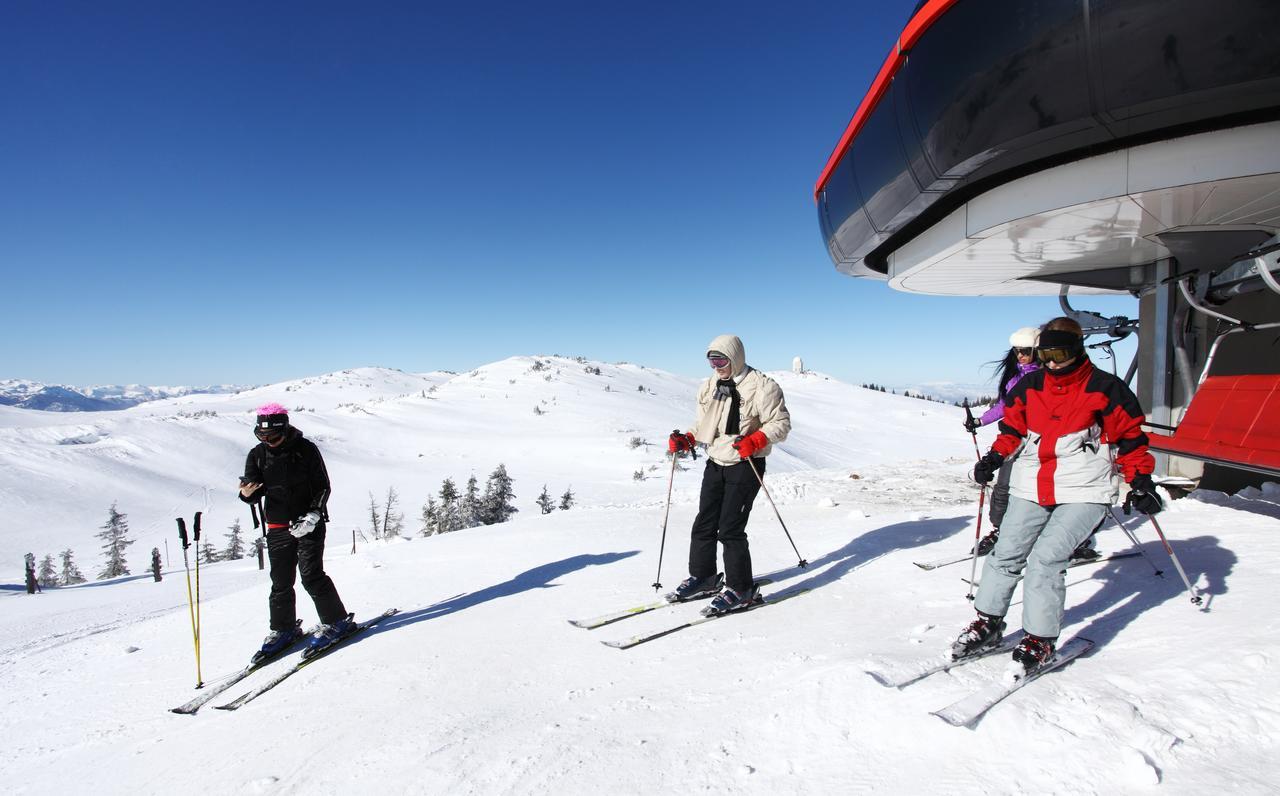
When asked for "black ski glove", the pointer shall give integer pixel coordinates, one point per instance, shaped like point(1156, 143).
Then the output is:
point(1142, 496)
point(986, 467)
point(972, 424)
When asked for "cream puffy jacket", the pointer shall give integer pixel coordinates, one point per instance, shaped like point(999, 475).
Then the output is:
point(762, 407)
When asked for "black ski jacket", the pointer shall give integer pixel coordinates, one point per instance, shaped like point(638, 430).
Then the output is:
point(293, 477)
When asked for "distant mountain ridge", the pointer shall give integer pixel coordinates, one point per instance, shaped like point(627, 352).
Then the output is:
point(26, 394)
point(950, 392)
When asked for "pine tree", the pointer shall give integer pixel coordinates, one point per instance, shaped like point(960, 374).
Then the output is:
point(448, 517)
point(70, 572)
point(375, 517)
point(235, 543)
point(469, 507)
point(48, 576)
point(545, 502)
point(566, 500)
point(155, 564)
point(496, 504)
point(209, 555)
point(115, 537)
point(392, 520)
point(430, 517)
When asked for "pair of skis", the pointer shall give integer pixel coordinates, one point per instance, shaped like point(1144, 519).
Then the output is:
point(239, 702)
point(965, 711)
point(636, 640)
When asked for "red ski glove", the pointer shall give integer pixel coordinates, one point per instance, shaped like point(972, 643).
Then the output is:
point(678, 442)
point(751, 443)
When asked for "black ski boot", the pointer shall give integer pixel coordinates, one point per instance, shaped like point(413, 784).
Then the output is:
point(1032, 653)
point(981, 634)
point(729, 601)
point(989, 541)
point(1085, 552)
point(692, 588)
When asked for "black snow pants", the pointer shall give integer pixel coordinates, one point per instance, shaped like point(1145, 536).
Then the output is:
point(723, 510)
point(289, 556)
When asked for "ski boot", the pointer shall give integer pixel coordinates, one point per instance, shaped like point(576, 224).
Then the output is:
point(692, 588)
point(1085, 552)
point(1030, 654)
point(729, 601)
point(328, 635)
point(989, 541)
point(981, 634)
point(276, 642)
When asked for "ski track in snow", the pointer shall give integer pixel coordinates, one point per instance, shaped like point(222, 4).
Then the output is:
point(480, 686)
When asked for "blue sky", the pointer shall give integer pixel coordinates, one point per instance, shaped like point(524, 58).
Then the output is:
point(245, 193)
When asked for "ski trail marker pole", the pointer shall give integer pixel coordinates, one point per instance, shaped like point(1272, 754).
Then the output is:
point(196, 539)
point(778, 514)
point(982, 499)
point(662, 546)
point(182, 536)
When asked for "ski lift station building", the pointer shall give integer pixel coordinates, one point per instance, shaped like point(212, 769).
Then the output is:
point(1077, 147)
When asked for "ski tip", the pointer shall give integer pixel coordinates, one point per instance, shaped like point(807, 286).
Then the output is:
point(925, 567)
point(954, 721)
point(618, 645)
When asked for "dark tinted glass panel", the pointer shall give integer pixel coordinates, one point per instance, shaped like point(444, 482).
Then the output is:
point(1155, 49)
point(881, 166)
point(842, 200)
point(988, 74)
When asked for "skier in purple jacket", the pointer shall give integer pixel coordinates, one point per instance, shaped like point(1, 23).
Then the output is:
point(1018, 362)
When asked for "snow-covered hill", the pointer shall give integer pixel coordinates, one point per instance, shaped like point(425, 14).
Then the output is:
point(481, 686)
point(562, 422)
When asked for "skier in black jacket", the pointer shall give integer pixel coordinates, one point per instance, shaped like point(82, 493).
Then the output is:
point(286, 470)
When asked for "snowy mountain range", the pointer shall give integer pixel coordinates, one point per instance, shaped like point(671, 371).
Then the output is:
point(480, 686)
point(62, 398)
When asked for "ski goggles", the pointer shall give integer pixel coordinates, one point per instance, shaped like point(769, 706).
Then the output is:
point(717, 361)
point(269, 435)
point(1025, 352)
point(1056, 355)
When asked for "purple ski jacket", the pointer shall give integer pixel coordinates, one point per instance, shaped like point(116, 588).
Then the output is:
point(996, 411)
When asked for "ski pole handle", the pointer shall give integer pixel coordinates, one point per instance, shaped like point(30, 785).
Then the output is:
point(182, 533)
point(196, 528)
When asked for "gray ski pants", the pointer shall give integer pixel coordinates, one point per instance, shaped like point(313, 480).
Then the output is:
point(1035, 542)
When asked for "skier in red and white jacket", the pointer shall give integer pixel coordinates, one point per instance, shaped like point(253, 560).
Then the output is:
point(1077, 430)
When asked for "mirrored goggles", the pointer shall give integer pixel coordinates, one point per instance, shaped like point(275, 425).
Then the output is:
point(1056, 355)
point(718, 362)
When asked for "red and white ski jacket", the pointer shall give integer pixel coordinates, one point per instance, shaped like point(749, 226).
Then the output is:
point(1077, 431)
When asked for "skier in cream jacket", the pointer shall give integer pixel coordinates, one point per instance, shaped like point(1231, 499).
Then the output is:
point(741, 415)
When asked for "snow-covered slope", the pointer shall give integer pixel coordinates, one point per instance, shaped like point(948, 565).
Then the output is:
point(481, 686)
point(381, 428)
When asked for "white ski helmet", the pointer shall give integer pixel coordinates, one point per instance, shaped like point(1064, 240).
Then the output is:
point(1026, 337)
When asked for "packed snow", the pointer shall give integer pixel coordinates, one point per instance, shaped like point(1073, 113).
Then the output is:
point(480, 685)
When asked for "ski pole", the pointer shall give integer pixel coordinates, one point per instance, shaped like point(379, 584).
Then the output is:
point(1134, 538)
point(778, 514)
point(1196, 599)
point(982, 499)
point(657, 581)
point(182, 536)
point(196, 534)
